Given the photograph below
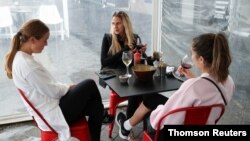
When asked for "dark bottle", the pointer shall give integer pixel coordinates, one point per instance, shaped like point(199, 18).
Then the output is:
point(137, 57)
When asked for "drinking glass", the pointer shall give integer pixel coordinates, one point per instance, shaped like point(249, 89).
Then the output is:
point(127, 57)
point(186, 63)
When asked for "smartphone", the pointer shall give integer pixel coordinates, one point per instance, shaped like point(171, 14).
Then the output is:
point(106, 74)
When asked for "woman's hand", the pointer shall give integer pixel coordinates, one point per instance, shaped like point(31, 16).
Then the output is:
point(144, 48)
point(186, 72)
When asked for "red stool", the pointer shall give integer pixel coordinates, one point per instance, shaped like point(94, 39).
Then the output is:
point(115, 99)
point(193, 116)
point(78, 130)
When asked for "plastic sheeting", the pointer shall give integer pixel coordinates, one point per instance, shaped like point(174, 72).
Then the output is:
point(184, 19)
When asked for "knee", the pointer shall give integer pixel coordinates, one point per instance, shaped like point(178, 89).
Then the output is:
point(145, 106)
point(91, 83)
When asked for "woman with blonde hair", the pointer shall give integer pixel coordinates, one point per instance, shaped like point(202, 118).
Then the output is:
point(123, 38)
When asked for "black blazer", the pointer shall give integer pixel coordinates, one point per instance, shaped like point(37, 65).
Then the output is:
point(113, 61)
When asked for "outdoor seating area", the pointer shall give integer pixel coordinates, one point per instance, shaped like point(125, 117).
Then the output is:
point(71, 68)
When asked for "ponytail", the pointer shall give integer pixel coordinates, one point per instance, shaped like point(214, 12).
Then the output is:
point(9, 57)
point(221, 58)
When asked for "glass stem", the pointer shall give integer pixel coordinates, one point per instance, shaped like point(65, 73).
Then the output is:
point(127, 70)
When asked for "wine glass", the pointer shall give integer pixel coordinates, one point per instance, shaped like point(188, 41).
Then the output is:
point(186, 63)
point(127, 57)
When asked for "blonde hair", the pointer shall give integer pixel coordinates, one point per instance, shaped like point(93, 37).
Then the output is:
point(115, 46)
point(32, 28)
point(215, 50)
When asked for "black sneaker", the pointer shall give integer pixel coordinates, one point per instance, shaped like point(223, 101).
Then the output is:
point(120, 119)
point(107, 119)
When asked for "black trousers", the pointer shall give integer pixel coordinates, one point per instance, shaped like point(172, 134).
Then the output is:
point(151, 101)
point(84, 99)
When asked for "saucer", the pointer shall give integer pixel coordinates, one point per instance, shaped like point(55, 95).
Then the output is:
point(177, 75)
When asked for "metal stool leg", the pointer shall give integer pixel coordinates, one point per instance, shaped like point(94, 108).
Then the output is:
point(115, 99)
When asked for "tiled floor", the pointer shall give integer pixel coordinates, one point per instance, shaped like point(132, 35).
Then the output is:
point(28, 131)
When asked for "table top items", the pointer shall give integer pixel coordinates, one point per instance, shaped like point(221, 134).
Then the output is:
point(170, 70)
point(123, 79)
point(127, 57)
point(162, 69)
point(106, 74)
point(134, 86)
point(143, 72)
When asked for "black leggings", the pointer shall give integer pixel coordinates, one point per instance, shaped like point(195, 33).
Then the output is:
point(84, 99)
point(151, 101)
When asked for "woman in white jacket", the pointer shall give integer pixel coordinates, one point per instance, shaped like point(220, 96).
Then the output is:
point(60, 104)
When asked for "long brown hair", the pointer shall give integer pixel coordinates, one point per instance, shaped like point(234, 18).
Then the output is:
point(115, 46)
point(215, 50)
point(32, 28)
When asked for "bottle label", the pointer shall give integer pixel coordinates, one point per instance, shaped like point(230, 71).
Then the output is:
point(137, 58)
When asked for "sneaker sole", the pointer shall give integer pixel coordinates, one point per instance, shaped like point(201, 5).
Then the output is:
point(120, 130)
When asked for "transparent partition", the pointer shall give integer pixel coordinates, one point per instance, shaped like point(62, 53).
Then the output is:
point(184, 19)
point(73, 51)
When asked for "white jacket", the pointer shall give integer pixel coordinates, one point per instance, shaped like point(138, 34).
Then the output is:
point(43, 91)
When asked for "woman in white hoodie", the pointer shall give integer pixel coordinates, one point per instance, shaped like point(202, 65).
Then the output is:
point(211, 55)
point(60, 104)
